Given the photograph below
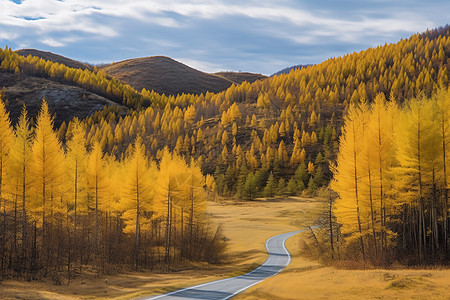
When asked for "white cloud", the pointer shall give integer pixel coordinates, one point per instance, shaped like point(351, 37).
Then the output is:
point(83, 16)
point(8, 35)
point(76, 13)
point(53, 16)
point(119, 25)
point(53, 43)
point(201, 65)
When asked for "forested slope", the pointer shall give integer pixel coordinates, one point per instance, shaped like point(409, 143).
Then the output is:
point(286, 126)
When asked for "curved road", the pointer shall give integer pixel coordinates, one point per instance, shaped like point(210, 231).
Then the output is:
point(278, 259)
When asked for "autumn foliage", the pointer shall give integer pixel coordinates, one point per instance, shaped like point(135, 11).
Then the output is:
point(392, 179)
point(249, 131)
point(72, 206)
point(126, 185)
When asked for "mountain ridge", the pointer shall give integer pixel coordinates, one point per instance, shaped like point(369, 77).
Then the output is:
point(161, 74)
point(55, 58)
point(166, 75)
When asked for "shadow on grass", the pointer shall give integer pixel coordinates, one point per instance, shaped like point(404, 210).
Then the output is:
point(304, 269)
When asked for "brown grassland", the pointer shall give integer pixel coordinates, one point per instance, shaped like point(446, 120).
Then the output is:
point(246, 226)
point(165, 76)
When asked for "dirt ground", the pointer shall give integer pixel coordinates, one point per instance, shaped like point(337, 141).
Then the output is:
point(247, 226)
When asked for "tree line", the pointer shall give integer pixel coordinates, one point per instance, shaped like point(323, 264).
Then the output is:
point(66, 207)
point(392, 180)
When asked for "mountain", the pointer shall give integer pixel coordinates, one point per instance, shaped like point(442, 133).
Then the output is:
point(289, 69)
point(161, 74)
point(168, 76)
point(165, 76)
point(240, 77)
point(54, 58)
point(65, 101)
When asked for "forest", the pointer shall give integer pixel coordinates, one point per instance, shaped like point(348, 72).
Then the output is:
point(284, 135)
point(69, 207)
point(392, 178)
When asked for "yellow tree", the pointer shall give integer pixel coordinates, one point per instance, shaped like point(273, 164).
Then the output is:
point(381, 159)
point(234, 113)
point(97, 184)
point(172, 172)
point(194, 192)
point(76, 181)
point(189, 115)
point(6, 138)
point(224, 155)
point(47, 166)
point(296, 156)
point(18, 169)
point(76, 164)
point(282, 154)
point(200, 135)
point(234, 129)
point(442, 99)
point(366, 171)
point(347, 177)
point(137, 194)
point(224, 138)
point(419, 147)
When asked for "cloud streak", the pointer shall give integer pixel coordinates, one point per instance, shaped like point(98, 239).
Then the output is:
point(214, 34)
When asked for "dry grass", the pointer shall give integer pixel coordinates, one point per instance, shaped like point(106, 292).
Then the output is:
point(307, 279)
point(247, 225)
point(165, 75)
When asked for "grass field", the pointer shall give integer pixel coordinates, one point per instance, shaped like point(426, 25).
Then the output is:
point(247, 226)
point(307, 279)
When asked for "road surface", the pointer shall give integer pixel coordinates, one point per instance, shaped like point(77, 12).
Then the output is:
point(223, 289)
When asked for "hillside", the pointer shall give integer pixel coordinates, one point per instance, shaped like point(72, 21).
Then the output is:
point(54, 58)
point(240, 77)
point(165, 76)
point(65, 101)
point(271, 125)
point(288, 125)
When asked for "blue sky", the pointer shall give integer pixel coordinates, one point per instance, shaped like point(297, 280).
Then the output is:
point(216, 35)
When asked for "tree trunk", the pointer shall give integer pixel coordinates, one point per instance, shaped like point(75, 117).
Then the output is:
point(136, 242)
point(330, 220)
point(24, 219)
point(357, 196)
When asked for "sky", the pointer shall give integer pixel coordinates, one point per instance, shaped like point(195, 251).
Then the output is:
point(214, 35)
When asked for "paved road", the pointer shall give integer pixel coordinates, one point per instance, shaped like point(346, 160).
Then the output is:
point(223, 289)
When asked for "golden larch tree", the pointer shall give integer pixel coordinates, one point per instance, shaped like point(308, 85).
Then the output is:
point(48, 165)
point(138, 193)
point(347, 177)
point(6, 138)
point(19, 161)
